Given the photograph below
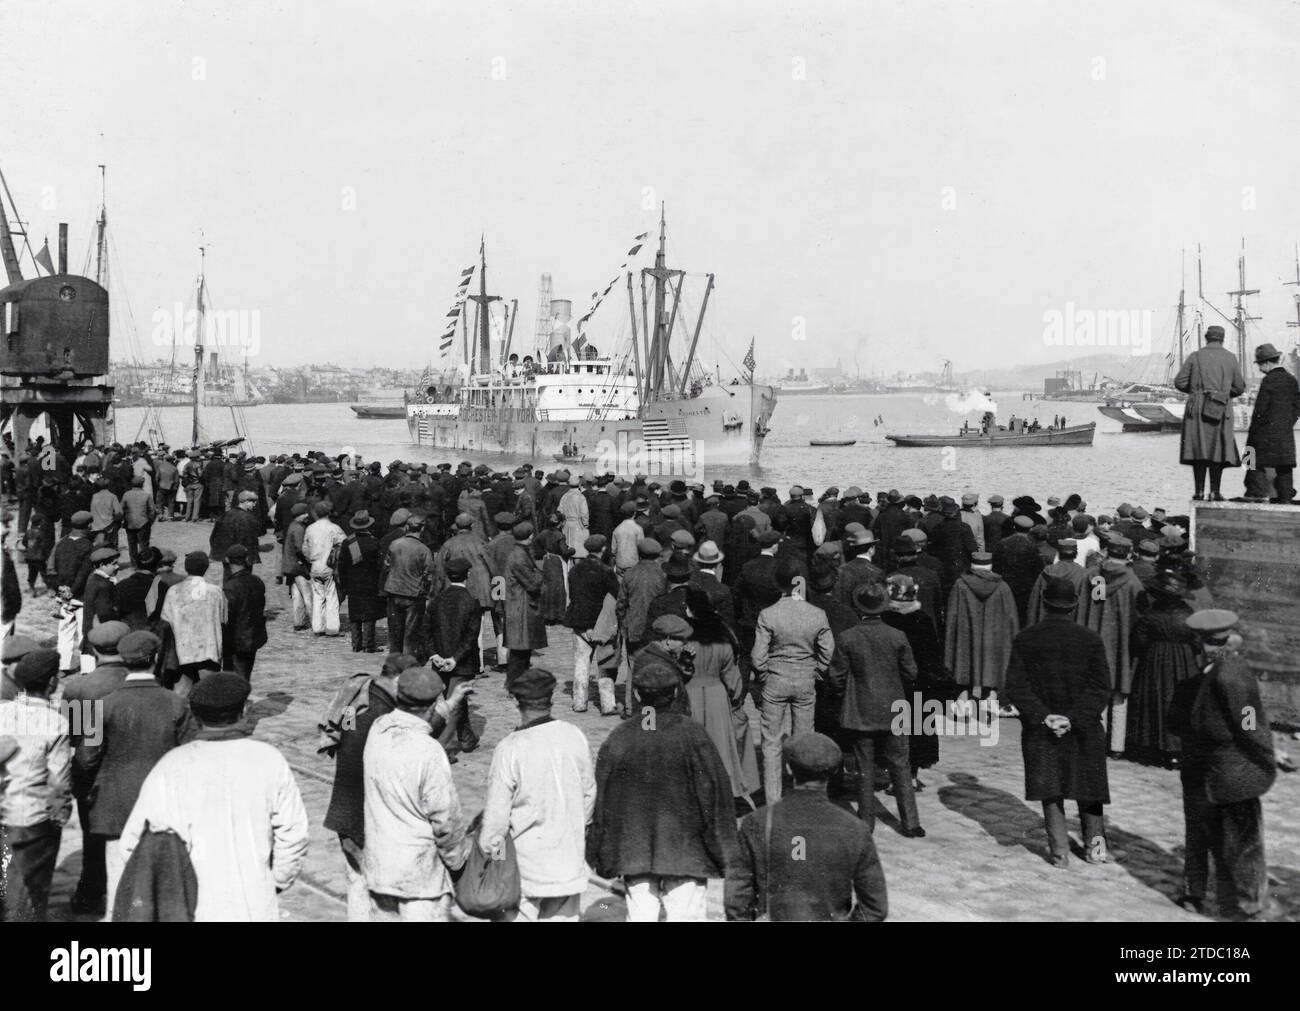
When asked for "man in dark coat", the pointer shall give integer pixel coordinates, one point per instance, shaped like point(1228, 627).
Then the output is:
point(929, 588)
point(706, 560)
point(953, 543)
point(524, 630)
point(756, 589)
point(980, 622)
point(141, 722)
point(890, 522)
point(678, 572)
point(244, 631)
point(1210, 377)
point(820, 880)
point(664, 819)
point(871, 662)
point(1228, 764)
point(591, 579)
point(359, 564)
point(214, 487)
point(1272, 425)
point(801, 516)
point(640, 585)
point(454, 619)
point(71, 560)
point(1059, 679)
point(1017, 560)
point(241, 525)
point(994, 520)
point(1112, 607)
point(860, 547)
point(1065, 567)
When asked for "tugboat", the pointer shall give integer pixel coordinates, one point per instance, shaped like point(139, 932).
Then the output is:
point(1019, 434)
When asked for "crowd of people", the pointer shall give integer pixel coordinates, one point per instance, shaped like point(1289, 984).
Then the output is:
point(687, 607)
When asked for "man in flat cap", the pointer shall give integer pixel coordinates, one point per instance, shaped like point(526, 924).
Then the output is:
point(295, 570)
point(240, 525)
point(85, 691)
point(407, 579)
point(1272, 423)
point(641, 584)
point(415, 833)
point(541, 790)
point(521, 581)
point(804, 858)
point(452, 625)
point(591, 580)
point(665, 818)
point(35, 788)
point(244, 631)
point(235, 804)
point(1019, 562)
point(1210, 377)
point(1228, 764)
point(141, 722)
point(71, 559)
point(320, 544)
point(196, 611)
point(791, 653)
point(1059, 679)
point(99, 600)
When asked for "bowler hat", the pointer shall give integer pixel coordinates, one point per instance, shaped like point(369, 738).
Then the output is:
point(677, 568)
point(1059, 594)
point(981, 558)
point(1266, 353)
point(708, 554)
point(905, 546)
point(858, 535)
point(870, 598)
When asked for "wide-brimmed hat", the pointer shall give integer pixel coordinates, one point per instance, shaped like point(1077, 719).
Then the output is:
point(871, 598)
point(361, 520)
point(1266, 352)
point(708, 554)
point(1060, 594)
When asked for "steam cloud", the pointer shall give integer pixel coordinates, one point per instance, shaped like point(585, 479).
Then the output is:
point(973, 401)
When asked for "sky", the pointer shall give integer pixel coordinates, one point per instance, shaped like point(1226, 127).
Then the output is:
point(881, 184)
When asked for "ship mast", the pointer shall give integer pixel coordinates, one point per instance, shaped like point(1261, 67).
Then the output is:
point(657, 358)
point(100, 225)
point(198, 354)
point(1240, 319)
point(1296, 284)
point(483, 300)
point(1182, 305)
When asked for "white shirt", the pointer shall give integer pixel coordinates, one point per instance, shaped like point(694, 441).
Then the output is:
point(237, 807)
point(542, 789)
point(318, 541)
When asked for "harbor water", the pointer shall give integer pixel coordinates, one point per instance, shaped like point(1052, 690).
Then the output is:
point(1117, 467)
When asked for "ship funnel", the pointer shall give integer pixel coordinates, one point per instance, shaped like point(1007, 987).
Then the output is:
point(561, 313)
point(63, 247)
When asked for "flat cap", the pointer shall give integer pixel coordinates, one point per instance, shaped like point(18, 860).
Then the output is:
point(1213, 622)
point(1024, 523)
point(504, 519)
point(766, 538)
point(996, 501)
point(219, 693)
point(672, 625)
point(522, 531)
point(81, 518)
point(812, 754)
point(463, 520)
point(1148, 547)
point(37, 667)
point(1067, 545)
point(653, 674)
point(457, 569)
point(533, 684)
point(298, 509)
point(1118, 542)
point(916, 534)
point(418, 686)
point(237, 553)
point(682, 539)
point(15, 647)
point(248, 496)
point(139, 647)
point(104, 555)
point(290, 480)
point(594, 544)
point(649, 548)
point(105, 637)
point(969, 498)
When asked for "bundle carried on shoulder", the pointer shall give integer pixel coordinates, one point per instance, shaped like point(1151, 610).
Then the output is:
point(350, 701)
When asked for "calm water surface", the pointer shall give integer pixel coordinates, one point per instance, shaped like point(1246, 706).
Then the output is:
point(1138, 468)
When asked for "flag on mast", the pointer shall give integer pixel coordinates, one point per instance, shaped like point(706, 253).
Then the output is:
point(43, 257)
point(749, 361)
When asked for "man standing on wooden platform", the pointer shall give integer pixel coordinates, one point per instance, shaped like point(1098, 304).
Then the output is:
point(1272, 426)
point(1210, 377)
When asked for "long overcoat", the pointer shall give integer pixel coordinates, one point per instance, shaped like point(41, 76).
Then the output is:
point(1212, 369)
point(1272, 425)
point(1059, 668)
point(524, 627)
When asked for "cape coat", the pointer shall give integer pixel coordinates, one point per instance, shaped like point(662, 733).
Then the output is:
point(980, 624)
point(1115, 601)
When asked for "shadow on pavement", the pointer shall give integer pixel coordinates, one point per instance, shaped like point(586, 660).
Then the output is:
point(273, 704)
point(1002, 815)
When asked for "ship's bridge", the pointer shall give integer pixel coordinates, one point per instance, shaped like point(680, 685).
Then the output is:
point(579, 390)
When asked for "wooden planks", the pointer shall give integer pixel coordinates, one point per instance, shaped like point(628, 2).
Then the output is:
point(1251, 556)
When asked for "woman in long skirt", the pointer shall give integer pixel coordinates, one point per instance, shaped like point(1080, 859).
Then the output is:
point(716, 692)
point(1166, 653)
point(905, 614)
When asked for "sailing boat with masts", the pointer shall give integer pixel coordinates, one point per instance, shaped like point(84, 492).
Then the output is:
point(642, 409)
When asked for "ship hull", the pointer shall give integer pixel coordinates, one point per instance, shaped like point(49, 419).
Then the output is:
point(1138, 419)
point(723, 426)
point(1075, 435)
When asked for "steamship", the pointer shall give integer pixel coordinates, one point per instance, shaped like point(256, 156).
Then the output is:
point(641, 410)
